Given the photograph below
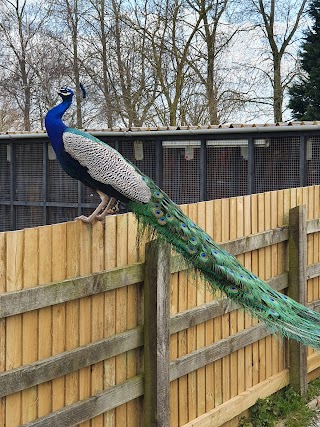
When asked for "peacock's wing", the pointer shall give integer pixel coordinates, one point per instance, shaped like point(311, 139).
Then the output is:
point(106, 165)
point(223, 271)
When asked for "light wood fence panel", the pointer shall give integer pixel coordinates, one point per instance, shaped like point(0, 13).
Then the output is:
point(71, 318)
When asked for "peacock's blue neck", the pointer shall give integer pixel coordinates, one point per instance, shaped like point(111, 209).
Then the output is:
point(55, 126)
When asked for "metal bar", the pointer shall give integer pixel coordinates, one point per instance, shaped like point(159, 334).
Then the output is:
point(251, 167)
point(189, 134)
point(48, 204)
point(12, 186)
point(203, 170)
point(159, 162)
point(117, 146)
point(235, 171)
point(80, 192)
point(303, 161)
point(45, 173)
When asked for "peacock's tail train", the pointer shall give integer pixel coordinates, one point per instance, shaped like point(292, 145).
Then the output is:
point(222, 271)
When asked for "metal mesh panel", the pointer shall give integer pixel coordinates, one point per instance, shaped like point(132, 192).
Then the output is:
point(4, 218)
point(181, 177)
point(29, 171)
point(277, 166)
point(313, 159)
point(226, 172)
point(60, 214)
point(4, 172)
point(143, 155)
point(28, 216)
point(61, 187)
point(89, 195)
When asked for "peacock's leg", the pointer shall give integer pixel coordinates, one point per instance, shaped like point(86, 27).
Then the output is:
point(111, 209)
point(105, 201)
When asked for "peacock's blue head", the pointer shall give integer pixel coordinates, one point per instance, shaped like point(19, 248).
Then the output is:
point(66, 93)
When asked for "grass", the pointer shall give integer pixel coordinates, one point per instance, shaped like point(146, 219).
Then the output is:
point(286, 405)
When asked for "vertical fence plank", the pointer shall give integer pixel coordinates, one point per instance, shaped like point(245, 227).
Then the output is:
point(30, 321)
point(268, 275)
point(316, 259)
point(45, 317)
point(234, 314)
point(156, 335)
point(98, 312)
point(217, 322)
point(308, 199)
point(85, 313)
point(59, 249)
point(255, 270)
point(274, 272)
point(225, 235)
point(240, 313)
point(2, 321)
point(174, 385)
point(184, 277)
point(121, 311)
point(110, 310)
point(200, 329)
point(191, 333)
point(316, 247)
point(133, 356)
point(262, 275)
point(210, 380)
point(247, 318)
point(14, 268)
point(297, 291)
point(281, 265)
point(72, 307)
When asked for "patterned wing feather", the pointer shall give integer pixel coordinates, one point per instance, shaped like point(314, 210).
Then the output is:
point(106, 165)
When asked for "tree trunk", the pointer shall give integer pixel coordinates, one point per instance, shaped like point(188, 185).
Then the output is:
point(76, 72)
point(277, 90)
point(26, 115)
point(104, 54)
point(211, 90)
point(27, 95)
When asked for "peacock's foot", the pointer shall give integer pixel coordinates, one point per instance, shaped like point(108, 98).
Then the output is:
point(85, 219)
point(111, 209)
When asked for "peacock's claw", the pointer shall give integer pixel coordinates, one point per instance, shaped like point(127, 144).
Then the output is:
point(111, 209)
point(85, 219)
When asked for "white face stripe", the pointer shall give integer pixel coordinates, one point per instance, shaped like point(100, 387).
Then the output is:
point(107, 166)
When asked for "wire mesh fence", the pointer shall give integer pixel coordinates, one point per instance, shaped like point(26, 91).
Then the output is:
point(36, 191)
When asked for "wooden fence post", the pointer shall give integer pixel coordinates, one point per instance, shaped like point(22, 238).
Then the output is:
point(297, 290)
point(157, 335)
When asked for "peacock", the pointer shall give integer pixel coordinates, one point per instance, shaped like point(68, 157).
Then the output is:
point(101, 167)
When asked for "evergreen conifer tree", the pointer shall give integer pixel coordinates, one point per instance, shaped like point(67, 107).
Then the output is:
point(305, 94)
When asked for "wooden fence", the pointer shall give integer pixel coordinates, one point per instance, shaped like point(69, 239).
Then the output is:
point(91, 333)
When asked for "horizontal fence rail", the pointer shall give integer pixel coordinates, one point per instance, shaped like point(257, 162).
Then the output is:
point(26, 300)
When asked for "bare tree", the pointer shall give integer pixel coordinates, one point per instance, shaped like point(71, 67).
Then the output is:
point(279, 21)
point(67, 29)
point(171, 29)
point(213, 40)
point(97, 42)
point(20, 25)
point(134, 79)
point(49, 72)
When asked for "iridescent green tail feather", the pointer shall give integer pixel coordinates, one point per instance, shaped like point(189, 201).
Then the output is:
point(223, 271)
